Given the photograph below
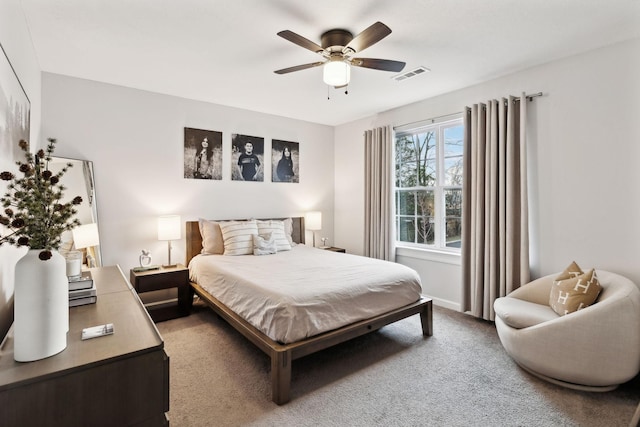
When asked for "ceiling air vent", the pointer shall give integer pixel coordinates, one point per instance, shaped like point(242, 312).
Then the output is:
point(412, 73)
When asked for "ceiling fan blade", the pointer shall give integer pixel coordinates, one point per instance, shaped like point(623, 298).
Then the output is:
point(298, 67)
point(378, 64)
point(300, 41)
point(369, 36)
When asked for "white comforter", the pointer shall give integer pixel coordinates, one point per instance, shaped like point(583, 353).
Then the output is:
point(296, 294)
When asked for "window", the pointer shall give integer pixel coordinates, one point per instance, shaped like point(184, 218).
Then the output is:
point(428, 193)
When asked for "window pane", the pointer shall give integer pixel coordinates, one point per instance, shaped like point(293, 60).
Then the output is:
point(425, 202)
point(406, 203)
point(453, 150)
point(426, 149)
point(406, 162)
point(428, 173)
point(454, 235)
point(416, 160)
point(406, 174)
point(453, 212)
point(425, 230)
point(406, 229)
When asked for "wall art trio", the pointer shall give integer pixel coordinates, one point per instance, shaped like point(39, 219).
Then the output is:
point(203, 157)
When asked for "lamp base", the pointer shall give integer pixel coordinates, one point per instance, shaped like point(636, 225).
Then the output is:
point(169, 266)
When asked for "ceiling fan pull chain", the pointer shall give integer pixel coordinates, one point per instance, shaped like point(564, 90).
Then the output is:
point(328, 92)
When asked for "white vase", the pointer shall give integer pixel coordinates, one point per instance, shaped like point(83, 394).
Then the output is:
point(41, 307)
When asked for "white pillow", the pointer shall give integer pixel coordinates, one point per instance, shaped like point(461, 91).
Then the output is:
point(288, 231)
point(264, 244)
point(276, 229)
point(238, 237)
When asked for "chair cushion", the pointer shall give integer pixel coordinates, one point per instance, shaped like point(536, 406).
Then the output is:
point(520, 314)
point(574, 290)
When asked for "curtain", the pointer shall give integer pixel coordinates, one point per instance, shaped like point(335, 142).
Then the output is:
point(495, 230)
point(379, 240)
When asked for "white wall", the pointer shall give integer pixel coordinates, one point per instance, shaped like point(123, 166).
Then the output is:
point(16, 42)
point(135, 139)
point(584, 146)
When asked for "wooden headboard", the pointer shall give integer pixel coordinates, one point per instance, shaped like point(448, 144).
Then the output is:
point(194, 239)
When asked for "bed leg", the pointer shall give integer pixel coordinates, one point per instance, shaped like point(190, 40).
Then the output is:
point(192, 294)
point(280, 376)
point(426, 318)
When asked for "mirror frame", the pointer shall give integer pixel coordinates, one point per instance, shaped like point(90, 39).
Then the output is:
point(79, 181)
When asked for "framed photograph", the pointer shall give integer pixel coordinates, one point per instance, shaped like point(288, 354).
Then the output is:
point(15, 119)
point(202, 154)
point(247, 158)
point(285, 161)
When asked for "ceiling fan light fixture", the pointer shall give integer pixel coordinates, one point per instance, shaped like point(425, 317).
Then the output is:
point(336, 73)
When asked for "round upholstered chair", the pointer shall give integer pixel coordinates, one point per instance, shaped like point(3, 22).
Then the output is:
point(595, 348)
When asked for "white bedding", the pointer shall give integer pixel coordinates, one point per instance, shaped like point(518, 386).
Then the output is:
point(296, 294)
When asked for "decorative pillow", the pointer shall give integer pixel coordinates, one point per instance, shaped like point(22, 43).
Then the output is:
point(238, 237)
point(288, 230)
point(574, 290)
point(264, 244)
point(276, 229)
point(212, 241)
point(572, 271)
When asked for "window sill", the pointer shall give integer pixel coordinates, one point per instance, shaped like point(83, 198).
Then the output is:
point(429, 255)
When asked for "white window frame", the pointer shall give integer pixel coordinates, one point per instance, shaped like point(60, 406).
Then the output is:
point(439, 243)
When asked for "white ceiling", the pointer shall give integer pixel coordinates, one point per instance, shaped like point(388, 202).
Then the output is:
point(225, 52)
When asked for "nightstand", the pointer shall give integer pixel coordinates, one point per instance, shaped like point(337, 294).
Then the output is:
point(164, 278)
point(334, 249)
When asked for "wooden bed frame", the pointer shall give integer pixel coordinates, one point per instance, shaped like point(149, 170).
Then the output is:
point(283, 354)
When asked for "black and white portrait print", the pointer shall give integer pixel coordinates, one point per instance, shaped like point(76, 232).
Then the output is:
point(247, 158)
point(285, 161)
point(202, 154)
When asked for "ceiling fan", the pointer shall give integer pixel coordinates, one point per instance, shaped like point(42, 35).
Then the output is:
point(338, 48)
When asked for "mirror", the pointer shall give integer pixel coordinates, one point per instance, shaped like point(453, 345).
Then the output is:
point(79, 181)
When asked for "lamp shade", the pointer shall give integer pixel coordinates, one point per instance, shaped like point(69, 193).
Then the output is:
point(336, 73)
point(313, 220)
point(169, 227)
point(86, 236)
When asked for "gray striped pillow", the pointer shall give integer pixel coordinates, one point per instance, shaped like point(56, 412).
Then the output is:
point(238, 237)
point(276, 229)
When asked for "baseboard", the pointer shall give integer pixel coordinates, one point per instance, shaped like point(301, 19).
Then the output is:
point(445, 303)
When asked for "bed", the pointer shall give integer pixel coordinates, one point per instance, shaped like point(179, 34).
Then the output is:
point(284, 347)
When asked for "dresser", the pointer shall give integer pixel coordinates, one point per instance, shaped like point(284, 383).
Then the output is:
point(115, 380)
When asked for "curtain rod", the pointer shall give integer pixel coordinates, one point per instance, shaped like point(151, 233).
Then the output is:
point(441, 118)
point(530, 96)
point(432, 120)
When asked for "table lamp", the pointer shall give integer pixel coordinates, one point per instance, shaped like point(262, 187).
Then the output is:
point(313, 222)
point(169, 229)
point(86, 237)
